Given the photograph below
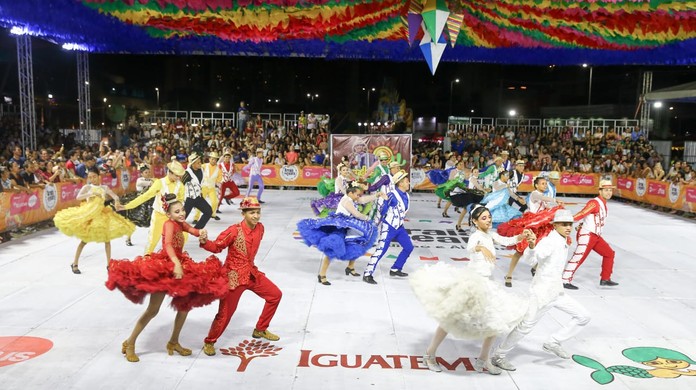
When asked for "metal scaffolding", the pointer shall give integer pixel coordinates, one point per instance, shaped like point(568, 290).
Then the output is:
point(83, 95)
point(644, 105)
point(26, 91)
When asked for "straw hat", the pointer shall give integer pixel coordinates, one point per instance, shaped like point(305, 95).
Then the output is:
point(193, 157)
point(398, 176)
point(214, 155)
point(259, 150)
point(505, 152)
point(394, 164)
point(606, 184)
point(250, 202)
point(383, 156)
point(519, 162)
point(563, 216)
point(176, 168)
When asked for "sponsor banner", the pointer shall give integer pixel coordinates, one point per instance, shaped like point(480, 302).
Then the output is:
point(579, 180)
point(658, 188)
point(287, 175)
point(68, 191)
point(18, 209)
point(691, 194)
point(362, 151)
point(21, 202)
point(658, 193)
point(568, 183)
point(624, 183)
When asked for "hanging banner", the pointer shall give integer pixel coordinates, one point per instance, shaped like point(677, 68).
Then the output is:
point(361, 151)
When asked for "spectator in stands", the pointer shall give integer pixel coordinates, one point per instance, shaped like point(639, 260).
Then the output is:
point(658, 171)
point(31, 178)
point(6, 183)
point(17, 177)
point(585, 166)
point(82, 169)
point(45, 171)
point(291, 156)
point(643, 171)
point(17, 156)
point(687, 173)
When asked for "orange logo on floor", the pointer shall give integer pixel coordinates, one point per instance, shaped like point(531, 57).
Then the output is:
point(17, 349)
point(249, 350)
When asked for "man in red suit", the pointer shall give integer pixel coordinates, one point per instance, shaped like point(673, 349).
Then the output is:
point(226, 181)
point(242, 242)
point(593, 217)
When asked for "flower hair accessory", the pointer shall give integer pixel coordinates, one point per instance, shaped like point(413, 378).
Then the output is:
point(165, 204)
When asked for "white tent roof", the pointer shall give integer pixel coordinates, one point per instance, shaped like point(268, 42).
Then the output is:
point(682, 92)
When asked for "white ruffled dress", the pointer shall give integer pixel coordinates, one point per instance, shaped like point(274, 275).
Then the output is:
point(465, 301)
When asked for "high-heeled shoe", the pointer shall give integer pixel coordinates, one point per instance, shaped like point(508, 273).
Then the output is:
point(129, 351)
point(324, 281)
point(508, 281)
point(171, 347)
point(351, 272)
point(458, 227)
point(75, 269)
point(444, 214)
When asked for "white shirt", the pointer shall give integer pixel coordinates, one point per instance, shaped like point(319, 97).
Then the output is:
point(551, 253)
point(478, 263)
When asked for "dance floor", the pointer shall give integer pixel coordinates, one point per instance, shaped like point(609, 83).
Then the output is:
point(64, 331)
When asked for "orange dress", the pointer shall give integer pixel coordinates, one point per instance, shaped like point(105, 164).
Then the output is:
point(201, 284)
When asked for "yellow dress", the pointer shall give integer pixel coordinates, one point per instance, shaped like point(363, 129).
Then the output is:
point(92, 221)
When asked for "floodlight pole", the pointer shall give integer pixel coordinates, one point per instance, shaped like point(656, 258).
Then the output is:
point(26, 91)
point(83, 96)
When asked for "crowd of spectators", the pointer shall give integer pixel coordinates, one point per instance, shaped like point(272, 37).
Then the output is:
point(626, 154)
point(60, 158)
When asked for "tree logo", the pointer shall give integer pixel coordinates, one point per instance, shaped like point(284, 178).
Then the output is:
point(249, 350)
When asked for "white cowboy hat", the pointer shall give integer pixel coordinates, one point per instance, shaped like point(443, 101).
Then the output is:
point(606, 184)
point(563, 216)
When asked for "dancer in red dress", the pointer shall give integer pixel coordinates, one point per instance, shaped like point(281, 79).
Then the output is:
point(168, 272)
point(242, 242)
point(537, 219)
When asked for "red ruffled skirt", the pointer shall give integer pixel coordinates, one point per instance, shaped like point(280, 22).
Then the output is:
point(201, 284)
point(539, 223)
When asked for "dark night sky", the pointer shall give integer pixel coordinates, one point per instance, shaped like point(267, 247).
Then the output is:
point(197, 82)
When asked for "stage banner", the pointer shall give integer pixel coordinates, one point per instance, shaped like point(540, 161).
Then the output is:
point(19, 209)
point(287, 175)
point(361, 151)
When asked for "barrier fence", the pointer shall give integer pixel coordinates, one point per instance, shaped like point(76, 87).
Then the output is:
point(653, 192)
point(20, 209)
